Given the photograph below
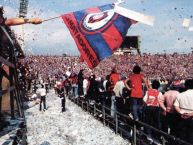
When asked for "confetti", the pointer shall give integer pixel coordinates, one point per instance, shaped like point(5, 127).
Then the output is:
point(186, 22)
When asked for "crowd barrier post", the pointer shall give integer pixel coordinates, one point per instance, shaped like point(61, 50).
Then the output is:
point(103, 112)
point(163, 140)
point(18, 92)
point(82, 105)
point(1, 95)
point(87, 106)
point(134, 134)
point(11, 72)
point(94, 109)
point(117, 123)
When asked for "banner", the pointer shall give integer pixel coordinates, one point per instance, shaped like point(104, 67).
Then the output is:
point(97, 31)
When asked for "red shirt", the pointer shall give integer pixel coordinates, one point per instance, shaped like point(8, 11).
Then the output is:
point(152, 97)
point(136, 85)
point(114, 78)
point(168, 100)
point(74, 80)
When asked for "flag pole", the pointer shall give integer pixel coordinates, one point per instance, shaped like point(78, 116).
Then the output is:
point(116, 3)
point(50, 18)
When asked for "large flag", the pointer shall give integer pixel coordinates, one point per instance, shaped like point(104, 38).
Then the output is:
point(97, 31)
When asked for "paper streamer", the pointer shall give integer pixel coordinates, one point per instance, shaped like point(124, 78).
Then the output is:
point(149, 20)
point(190, 28)
point(186, 23)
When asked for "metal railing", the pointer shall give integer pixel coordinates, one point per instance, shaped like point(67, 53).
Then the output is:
point(7, 46)
point(126, 126)
point(9, 58)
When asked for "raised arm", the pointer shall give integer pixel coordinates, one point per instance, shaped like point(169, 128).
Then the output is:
point(162, 102)
point(177, 106)
point(126, 84)
point(146, 83)
point(20, 21)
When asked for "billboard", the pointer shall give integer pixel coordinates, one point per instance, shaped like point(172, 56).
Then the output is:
point(130, 42)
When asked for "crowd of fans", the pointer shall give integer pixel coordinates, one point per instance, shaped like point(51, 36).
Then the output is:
point(115, 77)
point(171, 70)
point(158, 66)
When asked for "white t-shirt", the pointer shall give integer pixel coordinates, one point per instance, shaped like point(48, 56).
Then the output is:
point(34, 96)
point(85, 83)
point(41, 91)
point(118, 88)
point(185, 101)
point(104, 84)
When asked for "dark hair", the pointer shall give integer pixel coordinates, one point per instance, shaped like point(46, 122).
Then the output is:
point(136, 69)
point(123, 77)
point(1, 10)
point(92, 77)
point(2, 19)
point(155, 84)
point(189, 84)
point(108, 77)
point(114, 70)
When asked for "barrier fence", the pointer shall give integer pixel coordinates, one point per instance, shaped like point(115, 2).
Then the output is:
point(126, 126)
point(8, 60)
point(11, 105)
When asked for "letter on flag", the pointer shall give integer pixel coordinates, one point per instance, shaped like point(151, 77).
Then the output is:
point(97, 31)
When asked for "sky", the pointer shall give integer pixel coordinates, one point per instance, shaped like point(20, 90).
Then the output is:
point(53, 38)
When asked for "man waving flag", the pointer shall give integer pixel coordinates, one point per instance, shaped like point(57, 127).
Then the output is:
point(97, 31)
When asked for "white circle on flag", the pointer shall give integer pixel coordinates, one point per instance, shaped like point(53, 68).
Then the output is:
point(96, 21)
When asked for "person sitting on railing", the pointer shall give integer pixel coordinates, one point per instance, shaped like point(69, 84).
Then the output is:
point(85, 85)
point(93, 90)
point(67, 85)
point(74, 82)
point(106, 83)
point(80, 83)
point(151, 108)
point(114, 78)
point(120, 95)
point(184, 106)
point(136, 79)
point(171, 116)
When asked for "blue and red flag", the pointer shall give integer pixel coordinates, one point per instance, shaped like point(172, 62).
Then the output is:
point(97, 31)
